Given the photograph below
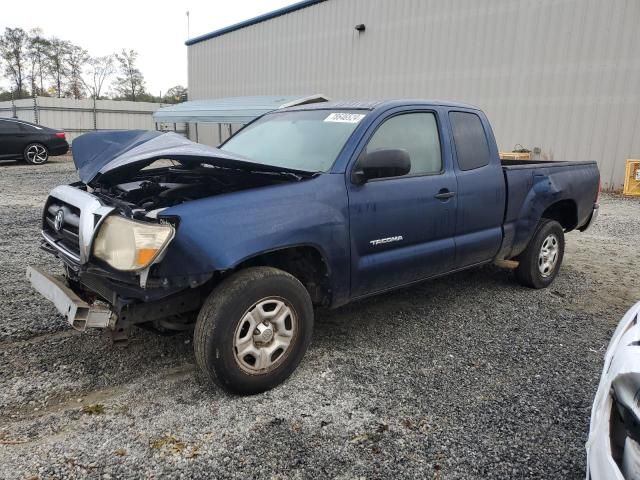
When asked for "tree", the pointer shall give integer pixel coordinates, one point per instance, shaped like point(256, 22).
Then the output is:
point(147, 97)
point(130, 83)
point(37, 52)
point(4, 96)
point(98, 70)
point(13, 51)
point(57, 64)
point(76, 59)
point(177, 94)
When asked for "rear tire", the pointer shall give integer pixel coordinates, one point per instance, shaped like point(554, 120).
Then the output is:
point(253, 330)
point(36, 154)
point(540, 262)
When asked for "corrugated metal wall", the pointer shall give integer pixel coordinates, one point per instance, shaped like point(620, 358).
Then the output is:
point(562, 75)
point(212, 134)
point(76, 116)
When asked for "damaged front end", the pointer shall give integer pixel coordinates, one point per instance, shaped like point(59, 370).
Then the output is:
point(109, 259)
point(613, 448)
point(111, 231)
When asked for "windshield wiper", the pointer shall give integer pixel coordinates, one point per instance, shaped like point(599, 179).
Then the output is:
point(292, 175)
point(287, 174)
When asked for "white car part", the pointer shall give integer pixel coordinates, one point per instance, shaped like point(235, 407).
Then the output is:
point(613, 447)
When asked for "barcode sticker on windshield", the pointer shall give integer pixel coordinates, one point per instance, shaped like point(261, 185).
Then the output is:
point(343, 117)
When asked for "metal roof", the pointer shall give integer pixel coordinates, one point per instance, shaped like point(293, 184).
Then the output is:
point(339, 105)
point(253, 21)
point(233, 110)
point(372, 104)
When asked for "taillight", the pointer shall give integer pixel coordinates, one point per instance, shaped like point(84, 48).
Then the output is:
point(60, 135)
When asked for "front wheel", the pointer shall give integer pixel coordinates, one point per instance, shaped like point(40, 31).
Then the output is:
point(36, 154)
point(540, 262)
point(253, 330)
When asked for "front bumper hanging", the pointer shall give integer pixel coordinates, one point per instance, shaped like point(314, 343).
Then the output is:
point(78, 313)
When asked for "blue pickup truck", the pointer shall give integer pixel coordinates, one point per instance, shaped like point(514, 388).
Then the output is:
point(308, 206)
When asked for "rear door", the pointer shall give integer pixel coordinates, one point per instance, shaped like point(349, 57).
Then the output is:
point(481, 189)
point(402, 227)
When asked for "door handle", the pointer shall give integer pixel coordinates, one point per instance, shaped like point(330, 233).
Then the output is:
point(444, 195)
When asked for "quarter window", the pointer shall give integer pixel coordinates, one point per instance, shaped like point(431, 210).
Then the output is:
point(417, 133)
point(472, 148)
point(27, 128)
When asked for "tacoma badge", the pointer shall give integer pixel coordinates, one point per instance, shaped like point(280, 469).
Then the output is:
point(380, 241)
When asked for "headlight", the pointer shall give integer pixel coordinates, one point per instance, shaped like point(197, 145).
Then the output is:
point(129, 245)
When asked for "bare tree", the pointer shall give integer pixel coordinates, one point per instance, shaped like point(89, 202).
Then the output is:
point(130, 83)
point(57, 65)
point(37, 54)
point(13, 50)
point(98, 70)
point(76, 59)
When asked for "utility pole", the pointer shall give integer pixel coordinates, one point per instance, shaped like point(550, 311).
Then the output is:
point(188, 25)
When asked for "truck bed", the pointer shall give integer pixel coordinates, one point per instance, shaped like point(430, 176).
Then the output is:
point(533, 184)
point(518, 164)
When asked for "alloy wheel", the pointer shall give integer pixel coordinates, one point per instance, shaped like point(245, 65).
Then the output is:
point(36, 154)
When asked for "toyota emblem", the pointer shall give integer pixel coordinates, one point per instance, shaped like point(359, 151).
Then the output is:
point(59, 220)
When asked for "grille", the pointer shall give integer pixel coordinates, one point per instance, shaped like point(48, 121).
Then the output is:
point(67, 235)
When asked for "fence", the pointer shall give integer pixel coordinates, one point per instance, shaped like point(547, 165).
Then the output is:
point(76, 117)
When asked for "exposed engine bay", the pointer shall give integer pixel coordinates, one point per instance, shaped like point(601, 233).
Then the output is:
point(156, 189)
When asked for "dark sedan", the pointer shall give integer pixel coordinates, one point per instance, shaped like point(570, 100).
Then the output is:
point(20, 140)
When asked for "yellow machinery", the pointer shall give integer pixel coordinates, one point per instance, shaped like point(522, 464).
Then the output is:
point(515, 156)
point(632, 178)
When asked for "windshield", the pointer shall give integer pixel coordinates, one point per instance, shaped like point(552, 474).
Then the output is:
point(308, 140)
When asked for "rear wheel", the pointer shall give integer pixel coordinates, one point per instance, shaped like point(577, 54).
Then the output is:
point(253, 330)
point(36, 154)
point(540, 262)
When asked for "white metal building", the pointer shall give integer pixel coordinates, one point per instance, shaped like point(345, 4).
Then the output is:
point(559, 75)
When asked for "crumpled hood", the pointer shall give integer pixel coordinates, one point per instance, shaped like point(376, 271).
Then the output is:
point(114, 156)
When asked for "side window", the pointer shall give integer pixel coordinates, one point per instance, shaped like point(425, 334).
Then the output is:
point(417, 133)
point(472, 148)
point(9, 127)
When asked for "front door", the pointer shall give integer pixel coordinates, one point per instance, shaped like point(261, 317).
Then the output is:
point(10, 138)
point(402, 228)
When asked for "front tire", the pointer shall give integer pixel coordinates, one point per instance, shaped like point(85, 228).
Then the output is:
point(36, 154)
point(540, 262)
point(253, 330)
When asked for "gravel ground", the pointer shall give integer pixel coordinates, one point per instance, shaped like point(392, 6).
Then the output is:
point(470, 376)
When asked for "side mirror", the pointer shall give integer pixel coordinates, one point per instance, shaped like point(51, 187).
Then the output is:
point(383, 163)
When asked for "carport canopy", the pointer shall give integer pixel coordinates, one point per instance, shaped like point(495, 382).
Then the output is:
point(232, 110)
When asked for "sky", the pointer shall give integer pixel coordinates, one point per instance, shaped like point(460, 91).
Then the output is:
point(156, 29)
